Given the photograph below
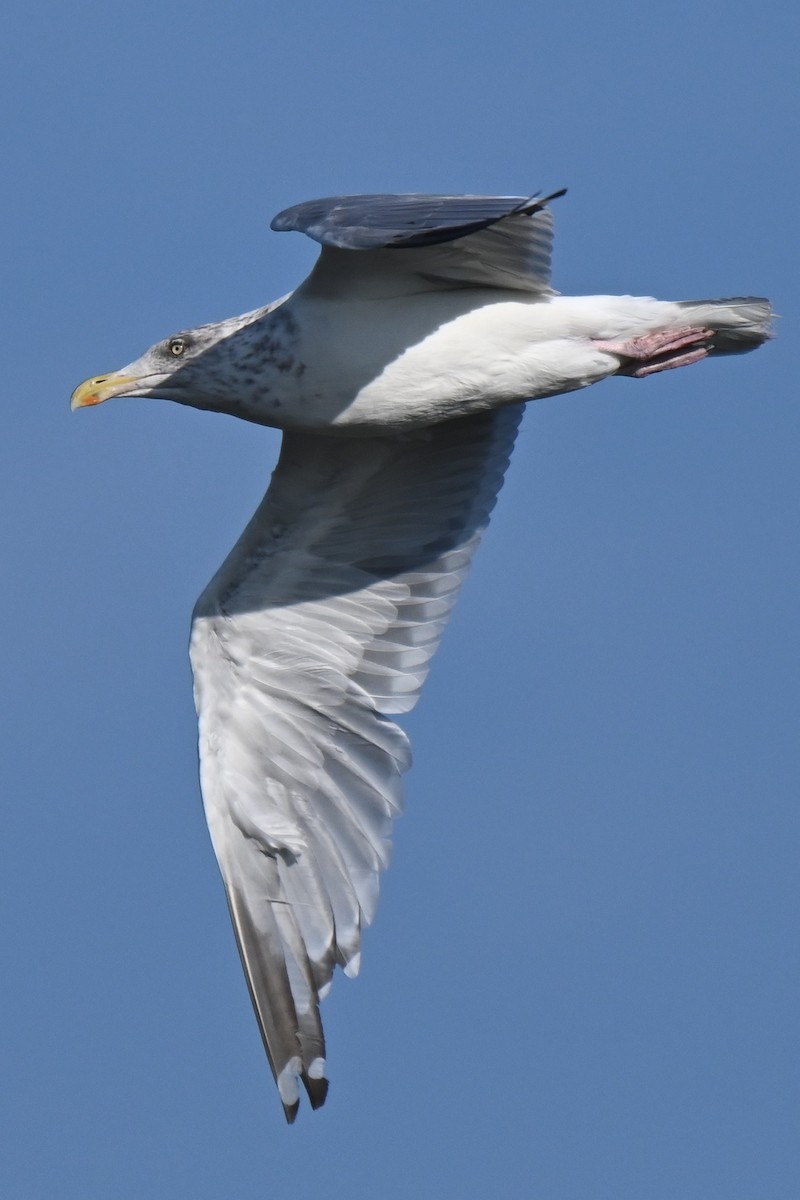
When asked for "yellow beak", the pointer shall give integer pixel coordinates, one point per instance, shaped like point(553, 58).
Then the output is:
point(100, 388)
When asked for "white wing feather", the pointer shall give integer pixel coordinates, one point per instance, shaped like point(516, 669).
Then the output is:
point(323, 619)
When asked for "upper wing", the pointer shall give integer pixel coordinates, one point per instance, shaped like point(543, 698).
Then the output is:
point(486, 241)
point(324, 618)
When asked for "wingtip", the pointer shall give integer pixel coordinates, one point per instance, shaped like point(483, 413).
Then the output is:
point(534, 203)
point(317, 1091)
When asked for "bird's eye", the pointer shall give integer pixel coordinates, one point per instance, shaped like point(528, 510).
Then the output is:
point(177, 345)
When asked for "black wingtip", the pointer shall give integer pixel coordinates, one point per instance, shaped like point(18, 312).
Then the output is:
point(534, 203)
point(317, 1091)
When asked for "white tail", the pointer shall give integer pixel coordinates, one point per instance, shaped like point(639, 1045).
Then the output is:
point(740, 322)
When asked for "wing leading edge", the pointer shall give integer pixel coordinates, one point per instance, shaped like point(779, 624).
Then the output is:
point(401, 221)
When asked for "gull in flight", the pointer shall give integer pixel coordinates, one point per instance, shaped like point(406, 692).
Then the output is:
point(397, 371)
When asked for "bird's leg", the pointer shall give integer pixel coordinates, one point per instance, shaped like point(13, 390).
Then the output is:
point(659, 351)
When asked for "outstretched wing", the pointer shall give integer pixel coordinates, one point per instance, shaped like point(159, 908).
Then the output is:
point(322, 620)
point(486, 241)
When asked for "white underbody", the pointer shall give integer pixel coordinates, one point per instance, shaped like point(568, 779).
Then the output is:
point(401, 362)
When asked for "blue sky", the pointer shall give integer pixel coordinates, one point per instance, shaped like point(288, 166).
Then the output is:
point(582, 982)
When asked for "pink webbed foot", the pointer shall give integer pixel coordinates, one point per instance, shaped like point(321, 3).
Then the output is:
point(661, 351)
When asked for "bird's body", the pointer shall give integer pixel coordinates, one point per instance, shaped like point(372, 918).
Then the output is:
point(398, 371)
point(449, 353)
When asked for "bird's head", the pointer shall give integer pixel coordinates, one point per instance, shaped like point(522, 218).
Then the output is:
point(198, 367)
point(158, 372)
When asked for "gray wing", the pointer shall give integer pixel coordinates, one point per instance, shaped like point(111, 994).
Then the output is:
point(322, 620)
point(492, 241)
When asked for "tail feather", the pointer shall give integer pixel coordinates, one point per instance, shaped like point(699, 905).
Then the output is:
point(740, 323)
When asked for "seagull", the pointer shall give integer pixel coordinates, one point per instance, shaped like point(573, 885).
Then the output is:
point(398, 372)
